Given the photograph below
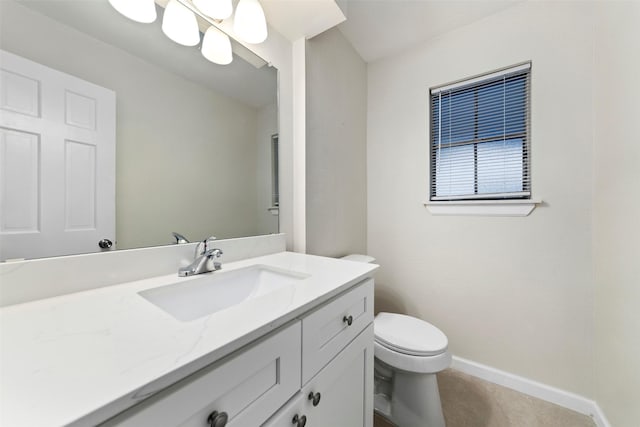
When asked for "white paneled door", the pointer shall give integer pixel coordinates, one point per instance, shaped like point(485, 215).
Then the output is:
point(57, 161)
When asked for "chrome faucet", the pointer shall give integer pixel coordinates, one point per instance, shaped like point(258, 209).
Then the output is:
point(180, 239)
point(204, 262)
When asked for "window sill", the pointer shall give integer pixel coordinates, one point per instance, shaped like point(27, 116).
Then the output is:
point(483, 207)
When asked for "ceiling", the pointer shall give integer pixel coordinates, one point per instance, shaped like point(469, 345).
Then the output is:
point(379, 28)
point(296, 19)
point(375, 28)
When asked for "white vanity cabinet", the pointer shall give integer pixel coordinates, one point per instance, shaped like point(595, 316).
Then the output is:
point(245, 388)
point(340, 395)
point(317, 371)
point(337, 365)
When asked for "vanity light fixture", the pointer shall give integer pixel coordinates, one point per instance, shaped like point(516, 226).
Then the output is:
point(216, 46)
point(180, 24)
point(143, 11)
point(250, 24)
point(216, 9)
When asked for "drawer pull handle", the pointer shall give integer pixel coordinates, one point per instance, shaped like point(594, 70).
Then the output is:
point(315, 398)
point(348, 320)
point(218, 419)
point(299, 421)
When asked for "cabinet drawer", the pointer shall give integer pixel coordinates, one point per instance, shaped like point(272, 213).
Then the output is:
point(326, 331)
point(248, 387)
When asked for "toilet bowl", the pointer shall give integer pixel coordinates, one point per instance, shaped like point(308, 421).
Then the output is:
point(408, 354)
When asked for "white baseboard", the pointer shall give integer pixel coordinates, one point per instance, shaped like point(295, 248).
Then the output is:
point(599, 417)
point(541, 391)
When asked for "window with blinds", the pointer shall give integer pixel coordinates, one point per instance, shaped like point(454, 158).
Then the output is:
point(480, 137)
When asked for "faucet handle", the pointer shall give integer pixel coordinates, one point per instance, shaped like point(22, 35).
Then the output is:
point(204, 245)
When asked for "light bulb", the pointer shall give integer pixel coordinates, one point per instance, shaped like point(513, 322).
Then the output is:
point(180, 24)
point(216, 46)
point(138, 10)
point(216, 9)
point(249, 23)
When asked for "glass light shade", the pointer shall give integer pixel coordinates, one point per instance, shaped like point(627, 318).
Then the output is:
point(216, 9)
point(138, 10)
point(249, 23)
point(216, 46)
point(180, 24)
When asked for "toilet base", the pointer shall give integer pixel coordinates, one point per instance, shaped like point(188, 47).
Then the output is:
point(414, 401)
point(382, 405)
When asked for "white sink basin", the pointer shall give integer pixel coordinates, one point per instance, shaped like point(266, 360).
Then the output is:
point(204, 295)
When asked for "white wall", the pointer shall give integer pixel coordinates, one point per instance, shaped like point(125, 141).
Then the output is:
point(617, 211)
point(336, 204)
point(512, 293)
point(173, 136)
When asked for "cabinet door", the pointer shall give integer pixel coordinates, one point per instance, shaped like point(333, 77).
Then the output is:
point(293, 410)
point(344, 387)
point(343, 391)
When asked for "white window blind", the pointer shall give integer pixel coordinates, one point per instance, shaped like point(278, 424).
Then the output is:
point(480, 137)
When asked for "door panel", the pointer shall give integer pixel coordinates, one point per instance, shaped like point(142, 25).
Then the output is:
point(57, 154)
point(19, 93)
point(80, 185)
point(19, 166)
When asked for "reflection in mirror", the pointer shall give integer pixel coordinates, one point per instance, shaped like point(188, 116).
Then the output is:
point(111, 131)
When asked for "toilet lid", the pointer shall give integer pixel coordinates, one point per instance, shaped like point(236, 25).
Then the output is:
point(408, 335)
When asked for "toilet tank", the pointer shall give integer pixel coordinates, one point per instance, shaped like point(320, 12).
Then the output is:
point(359, 258)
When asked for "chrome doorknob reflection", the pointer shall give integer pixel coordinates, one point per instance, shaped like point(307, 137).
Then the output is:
point(105, 243)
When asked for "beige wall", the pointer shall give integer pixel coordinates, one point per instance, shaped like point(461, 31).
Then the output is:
point(266, 127)
point(172, 136)
point(336, 147)
point(284, 55)
point(617, 211)
point(512, 293)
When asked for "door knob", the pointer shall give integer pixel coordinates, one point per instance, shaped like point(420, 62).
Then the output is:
point(105, 243)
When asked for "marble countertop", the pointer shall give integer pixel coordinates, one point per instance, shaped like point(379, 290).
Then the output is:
point(81, 358)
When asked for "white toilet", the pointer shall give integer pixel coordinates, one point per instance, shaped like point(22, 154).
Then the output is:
point(408, 354)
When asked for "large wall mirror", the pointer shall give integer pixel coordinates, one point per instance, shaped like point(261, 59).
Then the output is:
point(195, 143)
